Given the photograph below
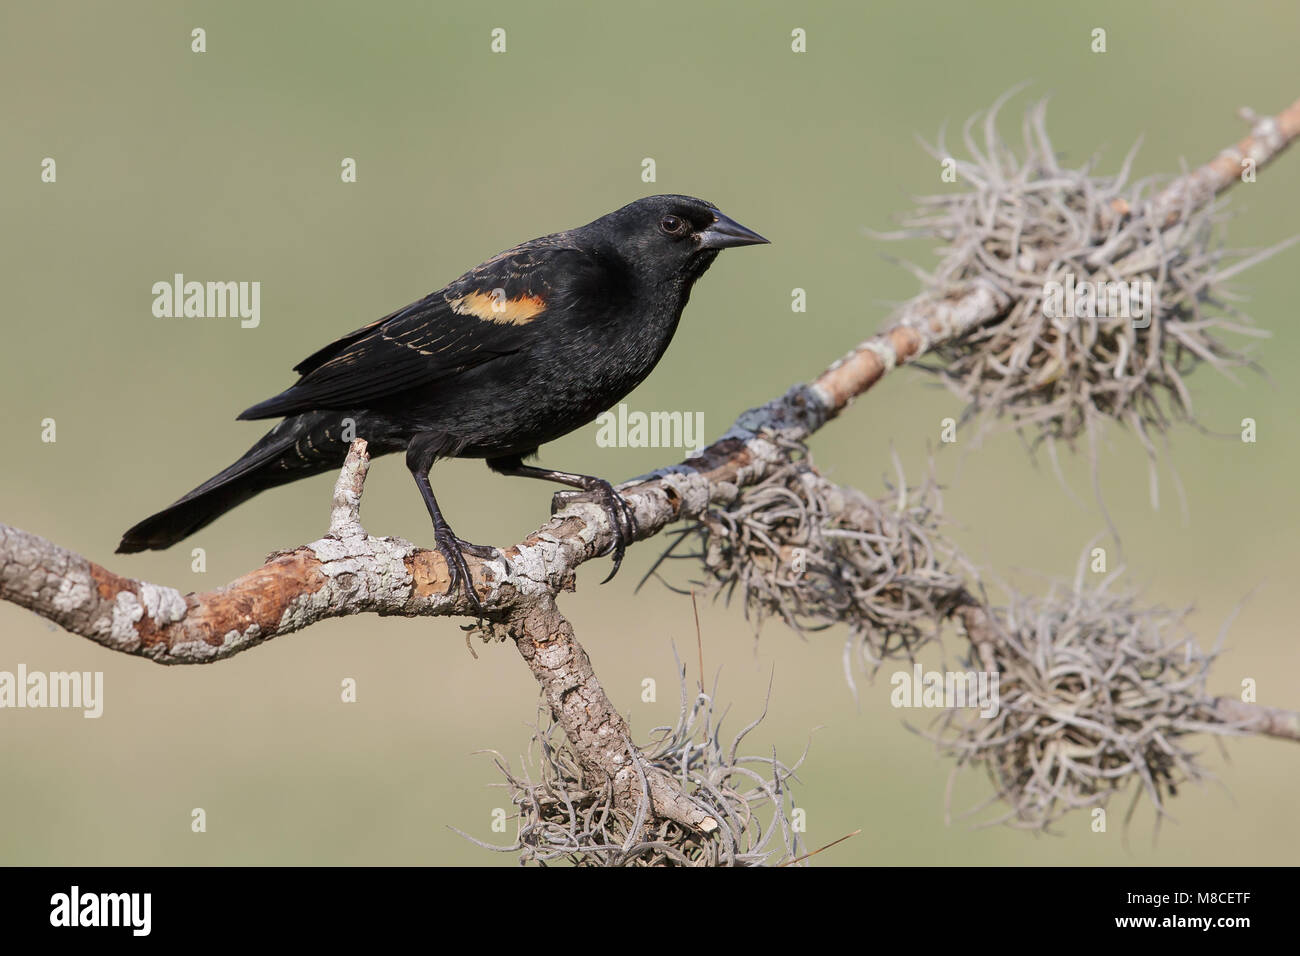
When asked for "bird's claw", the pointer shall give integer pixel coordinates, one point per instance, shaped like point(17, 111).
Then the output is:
point(484, 551)
point(621, 516)
point(453, 551)
point(624, 520)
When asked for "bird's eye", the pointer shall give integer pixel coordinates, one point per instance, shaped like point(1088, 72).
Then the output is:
point(673, 225)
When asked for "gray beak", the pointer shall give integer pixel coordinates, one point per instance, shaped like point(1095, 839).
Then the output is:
point(726, 232)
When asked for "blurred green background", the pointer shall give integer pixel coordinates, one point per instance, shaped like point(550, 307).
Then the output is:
point(225, 165)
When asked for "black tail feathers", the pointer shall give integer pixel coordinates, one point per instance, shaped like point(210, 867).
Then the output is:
point(296, 448)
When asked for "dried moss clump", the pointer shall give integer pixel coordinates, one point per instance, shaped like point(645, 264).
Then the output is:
point(1096, 692)
point(1032, 228)
point(813, 553)
point(562, 819)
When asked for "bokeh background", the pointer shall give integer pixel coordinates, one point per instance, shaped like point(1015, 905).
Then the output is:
point(226, 165)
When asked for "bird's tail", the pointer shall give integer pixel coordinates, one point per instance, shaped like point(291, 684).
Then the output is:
point(299, 446)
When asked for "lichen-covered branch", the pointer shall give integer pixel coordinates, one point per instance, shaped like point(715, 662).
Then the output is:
point(596, 730)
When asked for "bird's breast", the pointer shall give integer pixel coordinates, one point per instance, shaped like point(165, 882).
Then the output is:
point(559, 381)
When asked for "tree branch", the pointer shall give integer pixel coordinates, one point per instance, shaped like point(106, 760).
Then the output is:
point(598, 732)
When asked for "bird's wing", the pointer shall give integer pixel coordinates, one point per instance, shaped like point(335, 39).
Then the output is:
point(474, 320)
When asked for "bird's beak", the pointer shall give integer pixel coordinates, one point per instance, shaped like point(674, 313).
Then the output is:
point(726, 232)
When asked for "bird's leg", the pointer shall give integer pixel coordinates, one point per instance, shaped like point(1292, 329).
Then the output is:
point(419, 459)
point(619, 511)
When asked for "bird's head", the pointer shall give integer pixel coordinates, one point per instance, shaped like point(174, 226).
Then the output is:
point(667, 238)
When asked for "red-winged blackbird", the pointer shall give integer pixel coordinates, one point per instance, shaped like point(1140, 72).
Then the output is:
point(535, 342)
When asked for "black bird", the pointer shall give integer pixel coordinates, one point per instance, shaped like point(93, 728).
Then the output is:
point(528, 346)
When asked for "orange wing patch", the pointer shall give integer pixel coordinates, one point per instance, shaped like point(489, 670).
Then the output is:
point(495, 307)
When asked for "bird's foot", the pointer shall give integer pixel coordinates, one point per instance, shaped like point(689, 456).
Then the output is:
point(453, 551)
point(620, 513)
point(484, 551)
